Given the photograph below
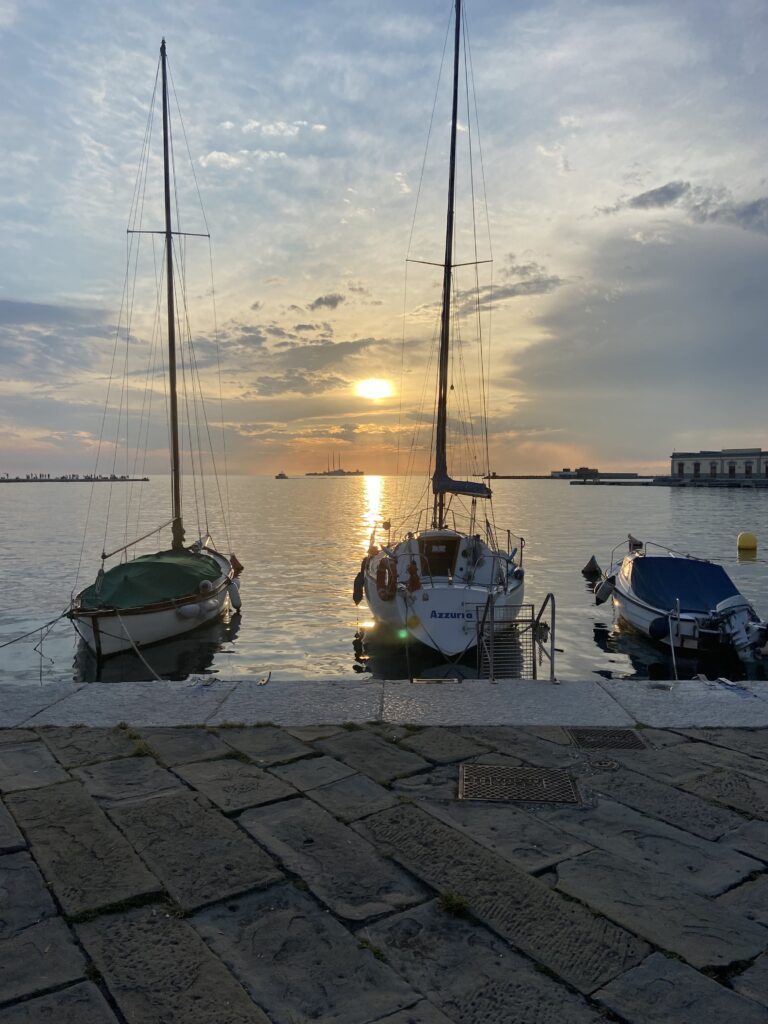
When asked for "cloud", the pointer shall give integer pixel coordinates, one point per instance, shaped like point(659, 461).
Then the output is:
point(701, 204)
point(665, 195)
point(302, 382)
point(41, 314)
point(217, 158)
point(327, 301)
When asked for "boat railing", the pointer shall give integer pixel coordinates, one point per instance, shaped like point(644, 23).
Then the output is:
point(645, 545)
point(512, 643)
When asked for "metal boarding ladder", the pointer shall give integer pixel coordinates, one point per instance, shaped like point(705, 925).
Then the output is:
point(512, 643)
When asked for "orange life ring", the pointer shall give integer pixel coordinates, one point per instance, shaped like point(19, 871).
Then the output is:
point(386, 579)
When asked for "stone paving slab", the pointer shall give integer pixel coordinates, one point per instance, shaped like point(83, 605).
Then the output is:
point(353, 797)
point(664, 991)
point(582, 948)
point(10, 737)
point(311, 772)
point(199, 855)
point(86, 861)
point(690, 703)
point(472, 975)
point(41, 957)
point(749, 899)
point(156, 702)
point(28, 766)
point(77, 745)
point(667, 803)
point(310, 733)
point(668, 765)
point(300, 702)
point(375, 757)
point(732, 789)
point(127, 780)
point(234, 786)
point(750, 838)
point(159, 971)
point(10, 837)
point(509, 831)
point(746, 741)
point(442, 745)
point(753, 984)
point(265, 745)
point(340, 867)
point(440, 784)
point(298, 962)
point(24, 898)
point(78, 1004)
point(182, 745)
point(514, 701)
point(421, 1013)
point(721, 757)
point(702, 931)
point(527, 747)
point(654, 845)
point(19, 703)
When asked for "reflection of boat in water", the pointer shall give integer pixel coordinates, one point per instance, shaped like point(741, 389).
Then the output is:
point(688, 604)
point(191, 654)
point(382, 652)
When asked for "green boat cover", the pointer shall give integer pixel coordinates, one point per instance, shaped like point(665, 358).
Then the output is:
point(151, 578)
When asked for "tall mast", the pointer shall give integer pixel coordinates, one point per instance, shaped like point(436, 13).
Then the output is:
point(441, 459)
point(178, 527)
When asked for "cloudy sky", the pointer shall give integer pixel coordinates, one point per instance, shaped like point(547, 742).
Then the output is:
point(624, 147)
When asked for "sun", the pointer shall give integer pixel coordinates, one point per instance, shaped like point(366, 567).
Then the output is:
point(374, 387)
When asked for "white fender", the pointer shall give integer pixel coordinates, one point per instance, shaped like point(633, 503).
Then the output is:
point(188, 611)
point(234, 594)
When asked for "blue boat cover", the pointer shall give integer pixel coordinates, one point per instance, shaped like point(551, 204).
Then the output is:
point(699, 586)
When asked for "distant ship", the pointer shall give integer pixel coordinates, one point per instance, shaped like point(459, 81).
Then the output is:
point(336, 470)
point(281, 476)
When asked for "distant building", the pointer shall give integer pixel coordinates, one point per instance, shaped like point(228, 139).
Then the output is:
point(582, 473)
point(736, 464)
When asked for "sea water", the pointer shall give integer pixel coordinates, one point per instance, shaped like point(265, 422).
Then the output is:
point(301, 541)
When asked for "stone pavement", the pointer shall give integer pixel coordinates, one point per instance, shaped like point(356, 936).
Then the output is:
point(239, 873)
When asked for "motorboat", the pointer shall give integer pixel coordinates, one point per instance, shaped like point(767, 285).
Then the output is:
point(687, 603)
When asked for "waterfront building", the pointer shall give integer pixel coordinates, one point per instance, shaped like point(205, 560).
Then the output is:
point(736, 464)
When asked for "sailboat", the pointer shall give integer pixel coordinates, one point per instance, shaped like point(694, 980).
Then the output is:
point(435, 586)
point(150, 598)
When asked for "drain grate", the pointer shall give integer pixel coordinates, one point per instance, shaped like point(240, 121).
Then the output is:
point(606, 739)
point(513, 784)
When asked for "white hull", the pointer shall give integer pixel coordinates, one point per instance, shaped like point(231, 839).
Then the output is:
point(444, 611)
point(685, 632)
point(725, 621)
point(109, 631)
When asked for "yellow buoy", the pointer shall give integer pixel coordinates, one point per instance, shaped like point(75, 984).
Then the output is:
point(746, 542)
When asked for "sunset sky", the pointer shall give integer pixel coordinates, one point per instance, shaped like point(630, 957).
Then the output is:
point(625, 148)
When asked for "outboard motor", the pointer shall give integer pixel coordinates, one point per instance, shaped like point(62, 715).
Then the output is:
point(604, 589)
point(739, 625)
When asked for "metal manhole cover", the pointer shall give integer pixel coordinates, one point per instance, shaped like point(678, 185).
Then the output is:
point(607, 739)
point(513, 784)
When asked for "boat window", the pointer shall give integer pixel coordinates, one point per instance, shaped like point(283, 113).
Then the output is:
point(713, 469)
point(697, 469)
point(438, 555)
point(731, 469)
point(747, 469)
point(680, 468)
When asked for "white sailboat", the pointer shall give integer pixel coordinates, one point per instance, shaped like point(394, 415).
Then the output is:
point(435, 585)
point(146, 599)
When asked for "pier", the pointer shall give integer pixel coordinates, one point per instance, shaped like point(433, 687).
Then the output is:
point(165, 856)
